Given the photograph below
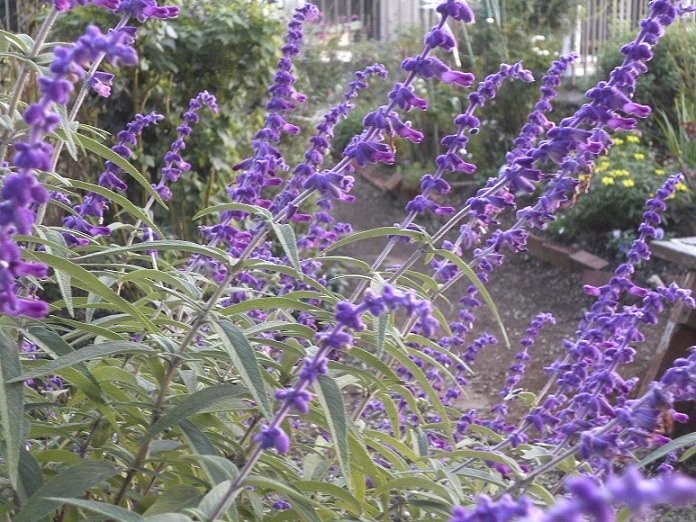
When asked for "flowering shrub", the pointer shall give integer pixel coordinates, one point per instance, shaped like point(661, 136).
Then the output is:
point(617, 189)
point(146, 377)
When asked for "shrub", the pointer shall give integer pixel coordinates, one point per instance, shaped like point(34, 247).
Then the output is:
point(153, 378)
point(616, 191)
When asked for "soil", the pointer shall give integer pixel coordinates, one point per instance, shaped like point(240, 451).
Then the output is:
point(523, 287)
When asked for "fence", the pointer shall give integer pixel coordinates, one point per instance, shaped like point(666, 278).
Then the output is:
point(599, 21)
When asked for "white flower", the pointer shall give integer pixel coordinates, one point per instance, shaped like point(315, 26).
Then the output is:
point(489, 20)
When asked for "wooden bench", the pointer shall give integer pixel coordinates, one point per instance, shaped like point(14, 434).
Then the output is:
point(680, 332)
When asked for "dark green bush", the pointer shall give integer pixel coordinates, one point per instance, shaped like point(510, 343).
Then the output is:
point(228, 48)
point(672, 70)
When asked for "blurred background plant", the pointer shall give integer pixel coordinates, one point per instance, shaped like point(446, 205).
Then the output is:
point(611, 200)
point(680, 137)
point(228, 48)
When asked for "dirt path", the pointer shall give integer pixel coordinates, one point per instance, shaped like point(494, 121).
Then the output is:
point(521, 288)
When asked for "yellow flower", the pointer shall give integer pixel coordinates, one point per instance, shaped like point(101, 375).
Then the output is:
point(607, 180)
point(633, 139)
point(681, 187)
point(671, 196)
point(628, 183)
point(603, 165)
point(619, 173)
point(659, 172)
point(618, 141)
point(582, 178)
point(639, 156)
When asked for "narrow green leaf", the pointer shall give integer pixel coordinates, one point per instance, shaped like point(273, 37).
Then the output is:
point(63, 279)
point(266, 303)
point(684, 440)
point(30, 476)
point(161, 245)
point(305, 507)
point(411, 484)
point(174, 499)
point(96, 351)
point(331, 401)
point(11, 407)
point(192, 404)
point(87, 281)
point(224, 207)
point(287, 239)
point(115, 513)
point(242, 354)
point(24, 46)
point(381, 333)
point(377, 232)
point(331, 489)
point(70, 483)
point(215, 500)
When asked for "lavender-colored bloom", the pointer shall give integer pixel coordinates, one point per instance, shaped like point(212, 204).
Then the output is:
point(273, 437)
point(144, 9)
point(174, 164)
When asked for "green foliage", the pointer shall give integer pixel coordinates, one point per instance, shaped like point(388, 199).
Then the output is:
point(228, 48)
point(680, 137)
point(672, 70)
point(614, 197)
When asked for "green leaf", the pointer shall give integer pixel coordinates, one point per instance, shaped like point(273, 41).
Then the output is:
point(305, 507)
point(413, 483)
point(70, 483)
point(251, 209)
point(287, 239)
point(108, 154)
point(123, 201)
point(381, 332)
point(115, 513)
point(377, 232)
point(30, 476)
point(158, 275)
point(63, 279)
point(95, 351)
point(24, 46)
point(56, 346)
point(192, 404)
point(11, 407)
point(173, 499)
point(684, 440)
point(169, 517)
point(216, 500)
point(471, 275)
point(244, 359)
point(87, 281)
point(331, 489)
point(331, 401)
point(160, 245)
point(266, 303)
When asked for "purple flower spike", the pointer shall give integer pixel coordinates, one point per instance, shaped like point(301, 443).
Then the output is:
point(299, 400)
point(144, 9)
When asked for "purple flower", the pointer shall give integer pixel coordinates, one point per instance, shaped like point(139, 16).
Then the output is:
point(273, 437)
point(144, 9)
point(431, 67)
point(456, 9)
point(298, 400)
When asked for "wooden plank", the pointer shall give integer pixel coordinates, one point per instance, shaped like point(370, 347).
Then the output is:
point(681, 251)
point(678, 337)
